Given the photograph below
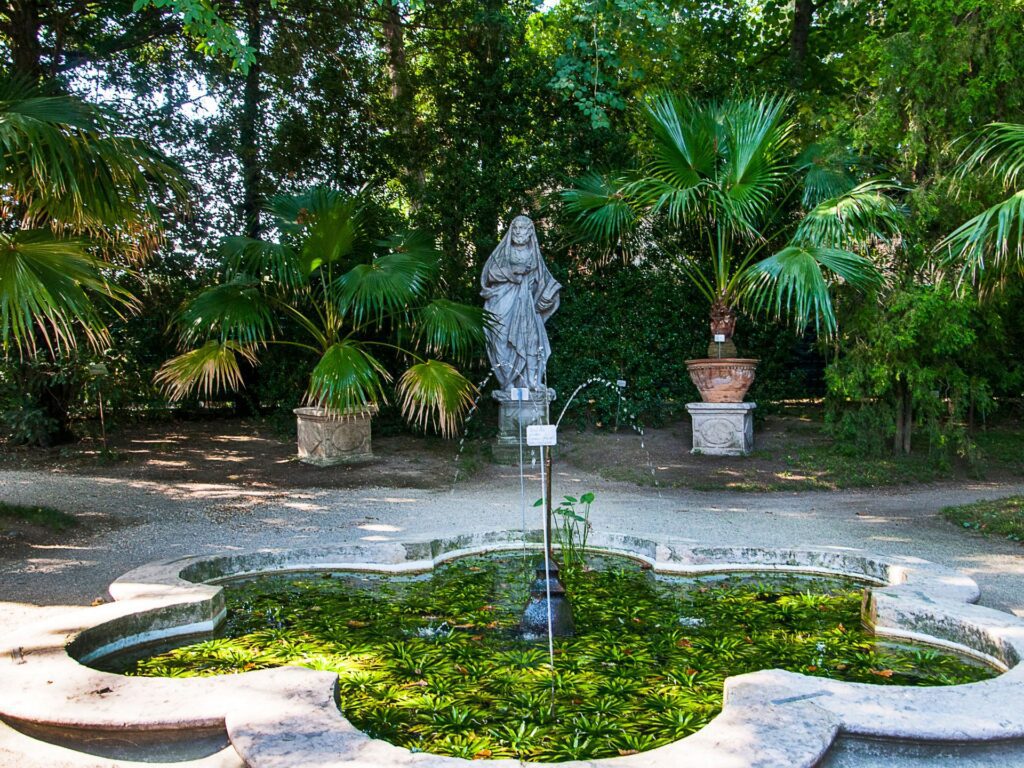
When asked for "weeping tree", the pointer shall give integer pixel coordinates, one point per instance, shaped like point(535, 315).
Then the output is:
point(726, 175)
point(988, 249)
point(79, 208)
point(355, 303)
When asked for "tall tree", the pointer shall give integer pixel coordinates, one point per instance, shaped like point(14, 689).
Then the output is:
point(21, 25)
point(251, 128)
point(803, 18)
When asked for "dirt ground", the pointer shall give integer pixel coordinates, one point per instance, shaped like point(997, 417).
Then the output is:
point(241, 451)
point(791, 453)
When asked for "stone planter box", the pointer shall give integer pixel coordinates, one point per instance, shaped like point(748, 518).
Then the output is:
point(326, 439)
point(722, 379)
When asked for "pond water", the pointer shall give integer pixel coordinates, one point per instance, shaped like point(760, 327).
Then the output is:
point(434, 663)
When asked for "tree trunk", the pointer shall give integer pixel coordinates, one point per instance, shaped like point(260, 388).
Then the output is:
point(904, 418)
point(803, 17)
point(908, 419)
point(55, 400)
point(22, 28)
point(490, 53)
point(247, 397)
point(252, 125)
point(410, 166)
point(723, 324)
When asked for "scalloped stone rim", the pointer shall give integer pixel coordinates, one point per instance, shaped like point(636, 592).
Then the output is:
point(287, 718)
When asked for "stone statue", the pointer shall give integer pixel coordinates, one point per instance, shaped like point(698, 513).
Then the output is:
point(520, 292)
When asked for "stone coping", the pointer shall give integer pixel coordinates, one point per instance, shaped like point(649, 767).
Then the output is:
point(288, 717)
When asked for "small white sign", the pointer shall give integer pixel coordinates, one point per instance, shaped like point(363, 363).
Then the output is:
point(519, 394)
point(720, 338)
point(541, 434)
point(621, 383)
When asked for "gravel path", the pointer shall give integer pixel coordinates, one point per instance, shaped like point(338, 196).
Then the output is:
point(131, 522)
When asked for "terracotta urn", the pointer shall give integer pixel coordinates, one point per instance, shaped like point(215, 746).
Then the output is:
point(722, 379)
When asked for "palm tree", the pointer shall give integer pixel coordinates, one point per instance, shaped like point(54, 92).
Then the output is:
point(356, 301)
point(723, 173)
point(74, 197)
point(989, 248)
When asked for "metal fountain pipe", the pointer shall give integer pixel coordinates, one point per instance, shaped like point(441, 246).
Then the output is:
point(547, 502)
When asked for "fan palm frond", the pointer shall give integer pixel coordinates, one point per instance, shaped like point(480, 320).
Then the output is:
point(684, 150)
point(232, 311)
point(796, 282)
point(998, 149)
point(989, 246)
point(864, 212)
point(347, 378)
point(50, 286)
point(295, 208)
point(260, 259)
point(829, 170)
point(61, 162)
point(435, 394)
point(446, 327)
point(212, 368)
point(384, 286)
point(330, 235)
point(600, 208)
point(757, 135)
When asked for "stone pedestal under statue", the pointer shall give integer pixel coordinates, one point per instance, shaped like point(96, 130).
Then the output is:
point(514, 416)
point(722, 429)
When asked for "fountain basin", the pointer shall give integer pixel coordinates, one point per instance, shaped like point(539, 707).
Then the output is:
point(288, 717)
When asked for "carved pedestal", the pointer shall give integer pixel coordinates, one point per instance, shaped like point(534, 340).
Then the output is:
point(328, 439)
point(722, 429)
point(514, 415)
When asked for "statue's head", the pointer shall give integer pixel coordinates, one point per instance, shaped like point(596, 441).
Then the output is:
point(521, 230)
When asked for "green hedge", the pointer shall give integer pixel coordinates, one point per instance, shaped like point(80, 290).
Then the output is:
point(641, 324)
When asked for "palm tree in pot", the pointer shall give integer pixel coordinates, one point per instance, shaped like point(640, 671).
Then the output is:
point(726, 174)
point(357, 302)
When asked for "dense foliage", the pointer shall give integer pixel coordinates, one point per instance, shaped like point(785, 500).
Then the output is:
point(466, 112)
point(435, 665)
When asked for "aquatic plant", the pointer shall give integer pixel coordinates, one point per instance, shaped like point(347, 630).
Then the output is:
point(435, 665)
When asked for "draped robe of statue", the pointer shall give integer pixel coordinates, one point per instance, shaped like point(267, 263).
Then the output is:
point(521, 294)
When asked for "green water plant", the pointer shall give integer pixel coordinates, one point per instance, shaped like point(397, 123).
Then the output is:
point(572, 528)
point(436, 665)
